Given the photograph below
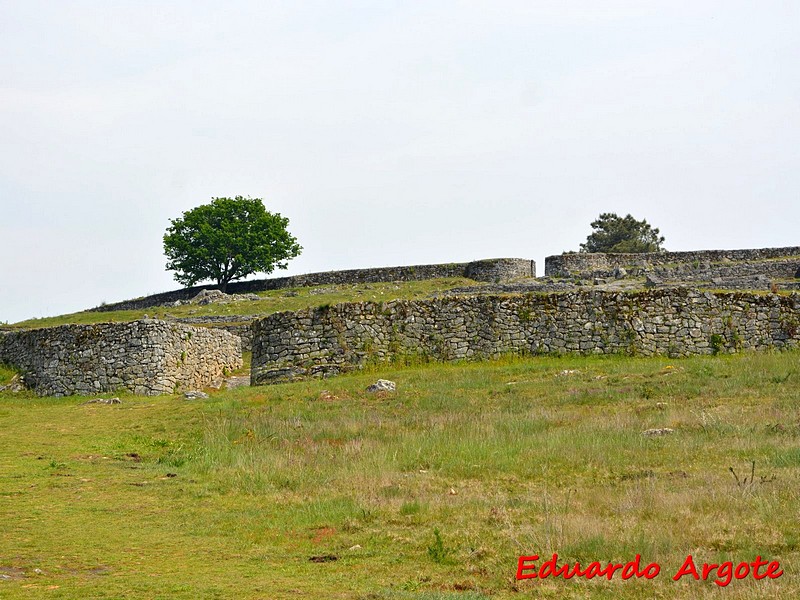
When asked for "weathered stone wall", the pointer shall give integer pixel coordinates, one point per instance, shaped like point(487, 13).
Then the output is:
point(239, 325)
point(770, 269)
point(500, 269)
point(673, 322)
point(496, 269)
point(704, 263)
point(243, 330)
point(146, 357)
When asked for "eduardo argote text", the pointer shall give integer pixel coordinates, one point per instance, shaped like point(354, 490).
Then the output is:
point(529, 567)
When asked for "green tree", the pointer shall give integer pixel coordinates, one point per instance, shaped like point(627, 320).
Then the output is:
point(228, 239)
point(616, 234)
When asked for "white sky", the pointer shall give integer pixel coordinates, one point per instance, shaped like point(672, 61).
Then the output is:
point(389, 133)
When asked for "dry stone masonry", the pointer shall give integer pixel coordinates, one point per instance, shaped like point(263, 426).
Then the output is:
point(587, 304)
point(674, 322)
point(239, 325)
point(146, 357)
point(492, 269)
point(702, 266)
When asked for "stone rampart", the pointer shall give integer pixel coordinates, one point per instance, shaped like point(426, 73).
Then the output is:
point(239, 325)
point(147, 357)
point(493, 269)
point(704, 264)
point(769, 269)
point(497, 270)
point(674, 322)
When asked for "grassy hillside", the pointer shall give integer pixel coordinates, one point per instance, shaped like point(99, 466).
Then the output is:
point(321, 490)
point(270, 302)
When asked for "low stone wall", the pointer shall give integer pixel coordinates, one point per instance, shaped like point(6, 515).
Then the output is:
point(147, 357)
point(770, 269)
point(493, 269)
point(712, 263)
point(239, 325)
point(497, 270)
point(674, 322)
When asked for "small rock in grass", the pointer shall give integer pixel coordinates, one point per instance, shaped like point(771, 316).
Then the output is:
point(194, 394)
point(15, 385)
point(236, 381)
point(104, 401)
point(382, 385)
point(356, 547)
point(661, 431)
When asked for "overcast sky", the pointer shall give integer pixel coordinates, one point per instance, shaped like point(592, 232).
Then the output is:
point(389, 133)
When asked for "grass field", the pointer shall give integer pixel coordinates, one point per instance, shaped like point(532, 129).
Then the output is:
point(321, 490)
point(270, 302)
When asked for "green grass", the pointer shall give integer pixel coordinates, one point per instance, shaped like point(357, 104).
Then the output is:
point(6, 373)
point(270, 302)
point(233, 496)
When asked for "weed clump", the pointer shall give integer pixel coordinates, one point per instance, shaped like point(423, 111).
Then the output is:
point(437, 551)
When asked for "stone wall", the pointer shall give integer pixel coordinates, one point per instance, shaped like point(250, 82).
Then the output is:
point(770, 269)
point(674, 322)
point(239, 325)
point(496, 269)
point(147, 357)
point(705, 263)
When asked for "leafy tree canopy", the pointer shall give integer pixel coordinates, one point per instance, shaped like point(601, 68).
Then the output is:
point(228, 239)
point(616, 234)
